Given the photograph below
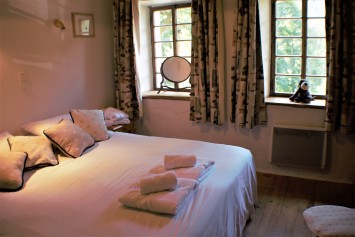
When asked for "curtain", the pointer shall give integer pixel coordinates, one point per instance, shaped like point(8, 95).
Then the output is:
point(207, 62)
point(247, 78)
point(340, 104)
point(126, 81)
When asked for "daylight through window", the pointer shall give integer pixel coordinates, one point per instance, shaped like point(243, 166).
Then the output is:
point(299, 46)
point(171, 36)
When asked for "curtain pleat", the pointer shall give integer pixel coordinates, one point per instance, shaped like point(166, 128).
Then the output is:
point(124, 59)
point(340, 104)
point(207, 73)
point(247, 78)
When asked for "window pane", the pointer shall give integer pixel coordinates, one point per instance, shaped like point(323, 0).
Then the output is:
point(164, 49)
point(163, 33)
point(288, 9)
point(158, 62)
point(183, 15)
point(185, 84)
point(291, 47)
point(183, 48)
point(286, 84)
point(317, 85)
point(316, 8)
point(316, 67)
point(162, 18)
point(316, 28)
point(288, 28)
point(169, 83)
point(157, 80)
point(288, 65)
point(183, 32)
point(316, 47)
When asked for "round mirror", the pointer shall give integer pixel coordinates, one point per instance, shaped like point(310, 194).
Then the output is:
point(175, 69)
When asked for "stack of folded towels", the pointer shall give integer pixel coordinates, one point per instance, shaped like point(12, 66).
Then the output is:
point(167, 187)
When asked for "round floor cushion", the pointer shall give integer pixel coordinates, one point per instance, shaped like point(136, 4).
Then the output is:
point(329, 220)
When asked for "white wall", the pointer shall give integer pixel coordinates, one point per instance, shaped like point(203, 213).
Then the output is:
point(61, 72)
point(170, 118)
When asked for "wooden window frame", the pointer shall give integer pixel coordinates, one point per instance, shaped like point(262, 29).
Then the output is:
point(174, 26)
point(304, 38)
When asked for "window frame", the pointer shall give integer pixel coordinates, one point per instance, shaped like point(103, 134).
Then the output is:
point(304, 56)
point(173, 7)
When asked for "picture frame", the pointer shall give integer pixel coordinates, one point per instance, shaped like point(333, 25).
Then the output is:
point(83, 24)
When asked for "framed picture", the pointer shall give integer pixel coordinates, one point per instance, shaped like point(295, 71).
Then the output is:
point(83, 25)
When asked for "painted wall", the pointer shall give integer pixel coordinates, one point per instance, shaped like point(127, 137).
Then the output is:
point(59, 72)
point(170, 118)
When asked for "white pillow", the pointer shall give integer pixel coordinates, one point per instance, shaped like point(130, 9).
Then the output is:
point(11, 170)
point(113, 116)
point(92, 122)
point(38, 148)
point(4, 144)
point(37, 127)
point(69, 138)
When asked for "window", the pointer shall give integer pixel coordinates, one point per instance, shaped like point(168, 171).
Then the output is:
point(299, 46)
point(171, 36)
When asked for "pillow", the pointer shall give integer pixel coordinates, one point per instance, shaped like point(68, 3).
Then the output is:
point(115, 116)
point(11, 170)
point(92, 122)
point(69, 138)
point(4, 144)
point(38, 148)
point(37, 127)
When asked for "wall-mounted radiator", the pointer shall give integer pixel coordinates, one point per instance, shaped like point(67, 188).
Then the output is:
point(295, 146)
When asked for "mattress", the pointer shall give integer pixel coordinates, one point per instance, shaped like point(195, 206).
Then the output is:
point(79, 197)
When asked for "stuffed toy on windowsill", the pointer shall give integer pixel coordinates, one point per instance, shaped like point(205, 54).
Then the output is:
point(302, 94)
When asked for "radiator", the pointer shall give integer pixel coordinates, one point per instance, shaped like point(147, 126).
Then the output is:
point(304, 147)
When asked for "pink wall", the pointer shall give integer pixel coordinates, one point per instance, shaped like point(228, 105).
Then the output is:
point(61, 72)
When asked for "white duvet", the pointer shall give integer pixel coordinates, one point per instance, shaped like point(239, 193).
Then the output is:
point(79, 197)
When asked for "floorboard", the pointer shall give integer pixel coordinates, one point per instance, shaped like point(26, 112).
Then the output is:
point(282, 200)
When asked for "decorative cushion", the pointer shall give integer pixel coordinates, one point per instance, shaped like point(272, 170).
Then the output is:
point(329, 220)
point(37, 127)
point(38, 148)
point(92, 122)
point(69, 138)
point(11, 170)
point(4, 144)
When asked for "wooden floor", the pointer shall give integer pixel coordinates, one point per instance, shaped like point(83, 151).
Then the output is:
point(282, 200)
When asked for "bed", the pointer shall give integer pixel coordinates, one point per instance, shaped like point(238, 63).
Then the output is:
point(79, 197)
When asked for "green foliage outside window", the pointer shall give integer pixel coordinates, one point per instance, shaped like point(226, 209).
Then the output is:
point(291, 61)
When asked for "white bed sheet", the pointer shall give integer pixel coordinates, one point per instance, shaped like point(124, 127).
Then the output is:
point(79, 197)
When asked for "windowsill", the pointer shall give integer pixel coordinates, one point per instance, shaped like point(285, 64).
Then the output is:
point(168, 95)
point(316, 103)
point(174, 95)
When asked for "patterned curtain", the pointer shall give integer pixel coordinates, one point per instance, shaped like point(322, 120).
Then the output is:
point(124, 59)
point(247, 78)
point(207, 73)
point(340, 105)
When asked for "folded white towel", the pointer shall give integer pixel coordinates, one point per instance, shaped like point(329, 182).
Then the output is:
point(179, 161)
point(199, 172)
point(151, 183)
point(167, 202)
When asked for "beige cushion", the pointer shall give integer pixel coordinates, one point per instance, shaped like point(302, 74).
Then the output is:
point(4, 144)
point(69, 138)
point(37, 127)
point(38, 148)
point(11, 170)
point(92, 122)
point(329, 220)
